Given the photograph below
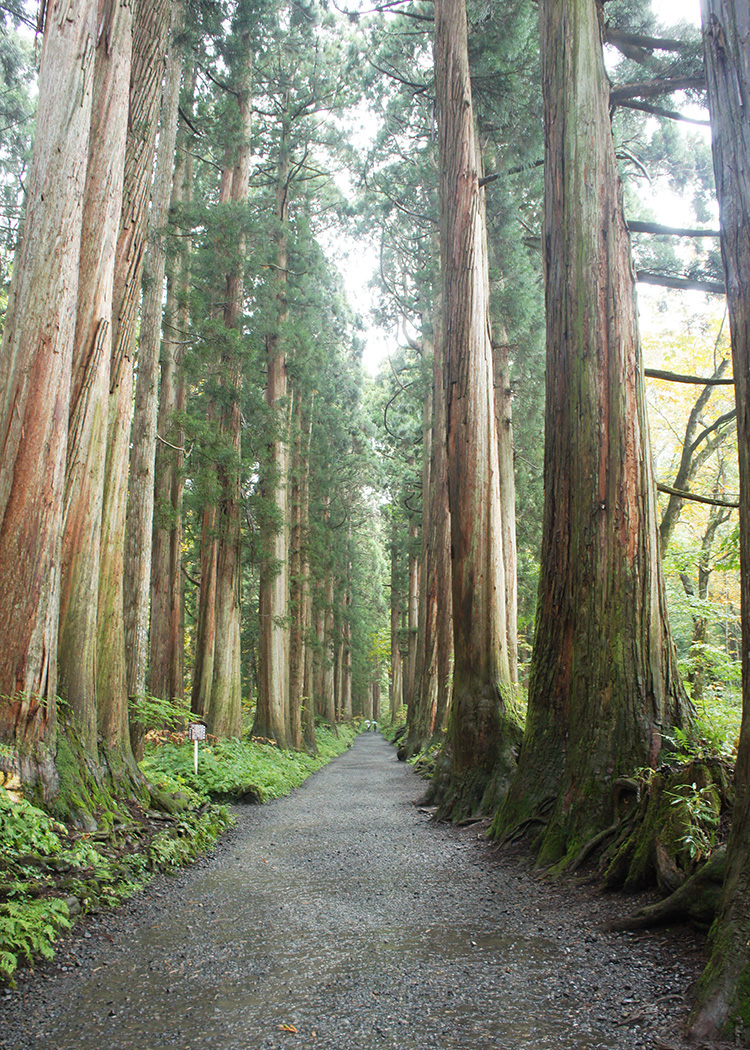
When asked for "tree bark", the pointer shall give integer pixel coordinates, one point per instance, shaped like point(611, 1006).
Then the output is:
point(167, 641)
point(396, 684)
point(723, 997)
point(272, 713)
point(150, 27)
point(422, 710)
point(224, 714)
point(604, 685)
point(441, 525)
point(140, 513)
point(505, 453)
point(87, 428)
point(484, 724)
point(35, 380)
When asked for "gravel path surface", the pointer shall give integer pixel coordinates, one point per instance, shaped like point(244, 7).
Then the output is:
point(345, 914)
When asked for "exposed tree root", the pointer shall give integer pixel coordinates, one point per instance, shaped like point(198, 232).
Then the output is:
point(696, 899)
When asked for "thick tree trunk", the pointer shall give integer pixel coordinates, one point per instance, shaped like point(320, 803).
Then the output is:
point(35, 381)
point(167, 641)
point(504, 424)
point(604, 685)
point(140, 514)
point(87, 429)
point(273, 714)
point(150, 28)
point(484, 725)
point(224, 715)
point(723, 993)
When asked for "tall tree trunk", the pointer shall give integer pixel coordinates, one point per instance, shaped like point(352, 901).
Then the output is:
point(140, 513)
point(346, 696)
point(167, 641)
point(87, 429)
point(224, 715)
point(604, 685)
point(485, 727)
point(504, 424)
point(329, 654)
point(422, 710)
point(272, 714)
point(299, 588)
point(412, 610)
point(723, 992)
point(296, 638)
point(205, 633)
point(150, 29)
point(35, 380)
point(396, 691)
point(441, 526)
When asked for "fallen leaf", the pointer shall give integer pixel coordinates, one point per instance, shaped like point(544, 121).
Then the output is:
point(288, 1028)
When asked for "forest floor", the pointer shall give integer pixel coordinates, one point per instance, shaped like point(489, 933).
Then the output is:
point(343, 918)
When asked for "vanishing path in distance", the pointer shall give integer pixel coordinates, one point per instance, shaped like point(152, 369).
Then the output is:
point(343, 912)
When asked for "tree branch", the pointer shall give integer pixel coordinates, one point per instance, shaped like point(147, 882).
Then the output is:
point(674, 377)
point(636, 226)
point(659, 111)
point(619, 38)
point(696, 499)
point(655, 88)
point(664, 281)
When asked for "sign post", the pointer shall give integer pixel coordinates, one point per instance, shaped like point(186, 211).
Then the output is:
point(196, 732)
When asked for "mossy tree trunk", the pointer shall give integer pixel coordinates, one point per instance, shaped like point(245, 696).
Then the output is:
point(224, 709)
point(87, 428)
point(724, 989)
point(604, 686)
point(505, 454)
point(140, 512)
point(150, 29)
point(484, 727)
point(35, 382)
point(167, 639)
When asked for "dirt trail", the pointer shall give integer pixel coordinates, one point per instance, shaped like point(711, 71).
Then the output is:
point(345, 914)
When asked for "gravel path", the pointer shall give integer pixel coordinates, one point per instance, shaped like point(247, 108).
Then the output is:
point(347, 915)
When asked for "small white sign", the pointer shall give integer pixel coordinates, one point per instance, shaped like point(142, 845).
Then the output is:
point(196, 731)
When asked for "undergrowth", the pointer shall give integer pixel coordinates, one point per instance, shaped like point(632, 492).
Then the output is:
point(49, 872)
point(231, 769)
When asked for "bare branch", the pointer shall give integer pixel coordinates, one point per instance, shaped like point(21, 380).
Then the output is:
point(695, 498)
point(636, 226)
point(714, 287)
point(675, 377)
point(655, 88)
